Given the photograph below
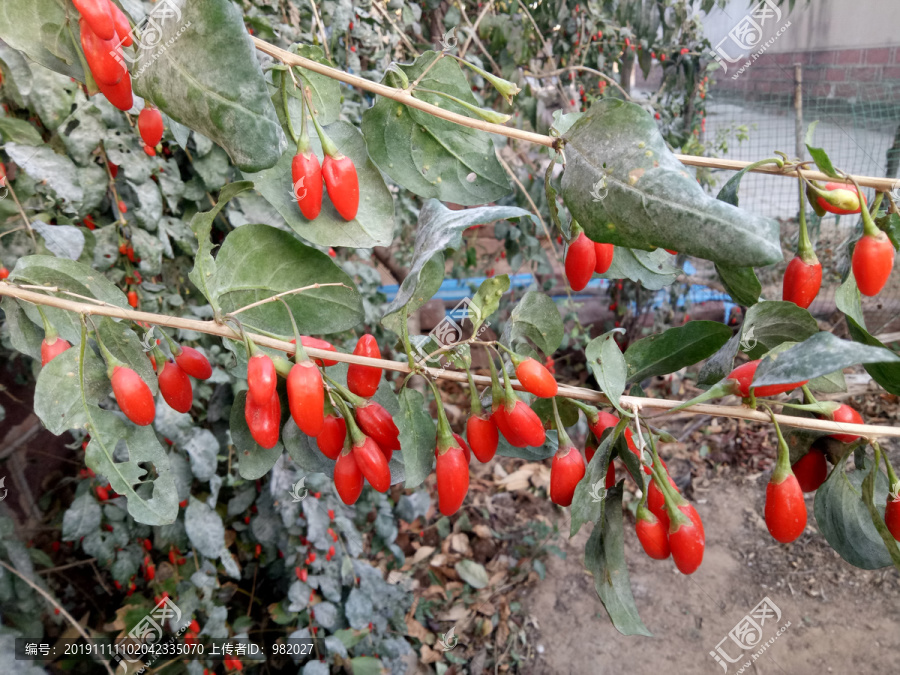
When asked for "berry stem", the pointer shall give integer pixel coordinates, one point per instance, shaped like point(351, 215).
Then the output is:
point(893, 481)
point(590, 412)
point(357, 436)
point(328, 146)
point(444, 432)
point(287, 112)
point(303, 140)
point(564, 440)
point(869, 226)
point(300, 353)
point(783, 463)
point(805, 250)
point(475, 406)
point(111, 361)
point(497, 396)
point(346, 394)
point(50, 334)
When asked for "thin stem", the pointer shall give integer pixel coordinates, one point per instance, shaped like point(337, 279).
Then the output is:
point(805, 250)
point(328, 146)
point(592, 71)
point(62, 610)
point(475, 405)
point(303, 140)
point(564, 440)
point(21, 212)
point(287, 112)
point(579, 394)
point(421, 76)
point(299, 354)
point(278, 296)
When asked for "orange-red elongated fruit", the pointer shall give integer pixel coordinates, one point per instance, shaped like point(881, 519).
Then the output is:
point(536, 379)
point(604, 257)
point(194, 363)
point(785, 509)
point(264, 421)
point(119, 94)
point(342, 184)
point(873, 260)
point(801, 282)
point(123, 27)
point(133, 396)
point(364, 380)
point(150, 125)
point(743, 375)
point(331, 440)
point(846, 415)
point(483, 437)
point(306, 397)
point(581, 259)
point(306, 178)
point(373, 464)
point(103, 56)
point(811, 470)
point(348, 479)
point(261, 378)
point(175, 386)
point(652, 534)
point(95, 13)
point(452, 479)
point(566, 470)
point(50, 350)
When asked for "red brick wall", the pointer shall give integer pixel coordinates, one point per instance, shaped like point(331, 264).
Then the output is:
point(839, 73)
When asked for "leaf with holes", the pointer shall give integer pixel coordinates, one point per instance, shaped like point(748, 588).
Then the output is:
point(152, 499)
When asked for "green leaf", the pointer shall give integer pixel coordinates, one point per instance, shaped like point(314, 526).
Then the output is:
point(546, 451)
point(82, 518)
point(304, 450)
point(830, 383)
point(417, 437)
point(537, 318)
point(674, 349)
point(590, 493)
point(844, 519)
point(254, 461)
point(868, 493)
point(204, 527)
point(847, 300)
point(374, 222)
point(604, 559)
point(57, 394)
point(472, 573)
point(259, 261)
point(429, 156)
point(643, 197)
point(820, 157)
point(366, 665)
point(325, 91)
point(821, 354)
point(24, 335)
point(68, 275)
point(741, 283)
point(439, 228)
point(210, 80)
point(152, 501)
point(22, 27)
point(487, 299)
point(203, 273)
point(15, 130)
point(57, 172)
point(768, 324)
point(63, 241)
point(721, 363)
point(607, 363)
point(652, 269)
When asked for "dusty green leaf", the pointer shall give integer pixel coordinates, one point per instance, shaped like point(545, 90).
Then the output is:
point(537, 318)
point(652, 269)
point(607, 363)
point(209, 79)
point(625, 187)
point(57, 394)
point(674, 349)
point(604, 558)
point(431, 157)
point(374, 222)
point(259, 261)
point(417, 437)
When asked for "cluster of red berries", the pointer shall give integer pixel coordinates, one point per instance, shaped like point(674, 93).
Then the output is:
point(104, 31)
point(585, 257)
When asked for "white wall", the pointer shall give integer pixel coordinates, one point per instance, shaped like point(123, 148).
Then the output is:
point(817, 24)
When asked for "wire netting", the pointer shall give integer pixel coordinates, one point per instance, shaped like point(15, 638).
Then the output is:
point(858, 125)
